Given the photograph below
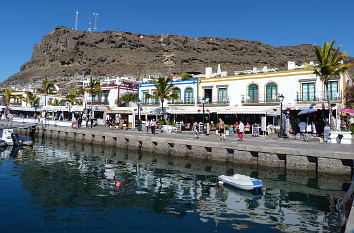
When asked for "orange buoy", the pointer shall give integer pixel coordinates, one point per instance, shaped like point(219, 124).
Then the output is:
point(118, 184)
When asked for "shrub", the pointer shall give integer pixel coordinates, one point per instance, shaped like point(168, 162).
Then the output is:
point(351, 127)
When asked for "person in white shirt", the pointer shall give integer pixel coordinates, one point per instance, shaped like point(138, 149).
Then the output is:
point(241, 129)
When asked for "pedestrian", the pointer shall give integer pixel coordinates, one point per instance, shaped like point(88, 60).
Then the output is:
point(91, 118)
point(147, 124)
point(79, 122)
point(221, 130)
point(195, 129)
point(241, 129)
point(153, 126)
point(87, 121)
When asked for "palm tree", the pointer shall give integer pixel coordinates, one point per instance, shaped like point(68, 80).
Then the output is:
point(71, 97)
point(93, 88)
point(57, 102)
point(7, 97)
point(127, 98)
point(164, 91)
point(48, 87)
point(329, 67)
point(30, 98)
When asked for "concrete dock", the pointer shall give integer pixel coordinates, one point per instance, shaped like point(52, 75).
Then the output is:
point(282, 153)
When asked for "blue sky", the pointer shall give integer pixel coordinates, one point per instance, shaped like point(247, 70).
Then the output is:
point(274, 22)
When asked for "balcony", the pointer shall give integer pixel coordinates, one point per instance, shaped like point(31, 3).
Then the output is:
point(98, 103)
point(261, 100)
point(319, 97)
point(215, 101)
point(150, 103)
point(185, 102)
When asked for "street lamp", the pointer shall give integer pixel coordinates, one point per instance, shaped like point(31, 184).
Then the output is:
point(203, 101)
point(281, 98)
point(139, 102)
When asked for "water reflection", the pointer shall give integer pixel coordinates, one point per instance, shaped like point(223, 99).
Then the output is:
point(63, 175)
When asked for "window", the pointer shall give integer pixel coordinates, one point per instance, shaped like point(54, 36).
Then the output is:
point(177, 92)
point(253, 93)
point(308, 91)
point(222, 95)
point(208, 94)
point(188, 96)
point(145, 99)
point(154, 101)
point(271, 92)
point(333, 90)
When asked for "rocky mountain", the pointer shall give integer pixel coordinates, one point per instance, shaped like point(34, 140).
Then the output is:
point(67, 55)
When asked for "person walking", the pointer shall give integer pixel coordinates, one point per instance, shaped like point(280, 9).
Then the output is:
point(221, 130)
point(241, 129)
point(87, 121)
point(195, 129)
point(147, 124)
point(153, 126)
point(79, 122)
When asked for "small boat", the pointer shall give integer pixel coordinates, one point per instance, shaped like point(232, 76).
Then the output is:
point(10, 138)
point(241, 182)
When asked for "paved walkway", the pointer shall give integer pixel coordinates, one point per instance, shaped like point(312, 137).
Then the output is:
point(248, 140)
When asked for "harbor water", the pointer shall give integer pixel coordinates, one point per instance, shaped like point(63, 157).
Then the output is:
point(60, 186)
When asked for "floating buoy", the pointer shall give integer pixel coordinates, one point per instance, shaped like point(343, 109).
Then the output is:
point(118, 184)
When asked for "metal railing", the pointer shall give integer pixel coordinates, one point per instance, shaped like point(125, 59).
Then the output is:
point(150, 102)
point(259, 99)
point(215, 100)
point(98, 102)
point(182, 102)
point(318, 96)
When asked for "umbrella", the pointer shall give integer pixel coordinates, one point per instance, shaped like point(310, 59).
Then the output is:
point(347, 110)
point(307, 111)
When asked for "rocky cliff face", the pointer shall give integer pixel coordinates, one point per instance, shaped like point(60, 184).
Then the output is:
point(65, 54)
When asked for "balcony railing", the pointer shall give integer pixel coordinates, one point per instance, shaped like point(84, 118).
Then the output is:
point(150, 102)
point(260, 99)
point(181, 102)
point(98, 102)
point(215, 100)
point(320, 96)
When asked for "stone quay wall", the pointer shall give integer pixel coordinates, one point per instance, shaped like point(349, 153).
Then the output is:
point(266, 156)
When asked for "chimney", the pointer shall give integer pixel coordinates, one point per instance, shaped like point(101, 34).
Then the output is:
point(291, 65)
point(208, 72)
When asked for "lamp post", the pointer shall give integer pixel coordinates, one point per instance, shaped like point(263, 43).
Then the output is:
point(203, 101)
point(139, 102)
point(281, 98)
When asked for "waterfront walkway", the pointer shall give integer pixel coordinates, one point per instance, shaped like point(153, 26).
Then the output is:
point(264, 141)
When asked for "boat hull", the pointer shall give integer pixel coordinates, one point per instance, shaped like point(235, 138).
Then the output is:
point(250, 184)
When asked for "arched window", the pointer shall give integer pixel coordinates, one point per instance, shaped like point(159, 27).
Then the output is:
point(177, 91)
point(188, 96)
point(253, 93)
point(271, 92)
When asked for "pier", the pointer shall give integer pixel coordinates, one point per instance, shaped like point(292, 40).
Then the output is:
point(287, 154)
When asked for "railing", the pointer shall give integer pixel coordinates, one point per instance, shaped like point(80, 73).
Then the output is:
point(319, 96)
point(215, 100)
point(182, 102)
point(98, 103)
point(260, 99)
point(150, 102)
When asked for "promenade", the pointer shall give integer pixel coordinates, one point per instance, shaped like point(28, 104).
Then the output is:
point(262, 151)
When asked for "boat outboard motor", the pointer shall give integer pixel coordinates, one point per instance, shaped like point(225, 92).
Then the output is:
point(15, 139)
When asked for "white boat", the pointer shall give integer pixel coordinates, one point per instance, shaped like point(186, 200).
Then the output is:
point(241, 182)
point(6, 136)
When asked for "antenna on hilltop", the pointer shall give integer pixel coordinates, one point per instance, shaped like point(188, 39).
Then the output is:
point(95, 27)
point(76, 20)
point(90, 29)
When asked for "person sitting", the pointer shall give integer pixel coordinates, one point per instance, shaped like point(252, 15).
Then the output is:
point(247, 128)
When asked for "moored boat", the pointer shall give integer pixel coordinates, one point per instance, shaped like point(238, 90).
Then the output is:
point(241, 182)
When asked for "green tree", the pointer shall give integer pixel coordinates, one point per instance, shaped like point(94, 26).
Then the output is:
point(93, 88)
point(71, 98)
point(330, 66)
point(129, 97)
point(57, 102)
point(163, 92)
point(186, 76)
point(48, 87)
point(7, 97)
point(30, 98)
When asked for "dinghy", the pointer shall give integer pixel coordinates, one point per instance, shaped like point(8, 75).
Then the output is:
point(241, 182)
